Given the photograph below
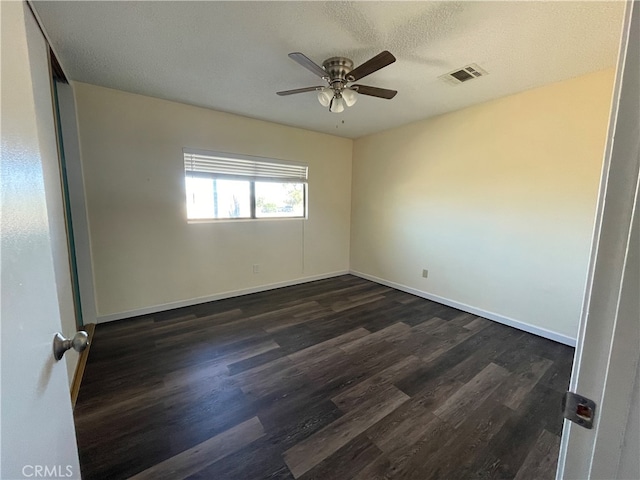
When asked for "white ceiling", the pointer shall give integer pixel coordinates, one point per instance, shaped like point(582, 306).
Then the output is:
point(232, 56)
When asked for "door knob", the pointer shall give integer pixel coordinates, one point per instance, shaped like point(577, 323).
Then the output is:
point(79, 342)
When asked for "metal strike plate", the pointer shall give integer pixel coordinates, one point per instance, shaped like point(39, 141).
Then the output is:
point(578, 409)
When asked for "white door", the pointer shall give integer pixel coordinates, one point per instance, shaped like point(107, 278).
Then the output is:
point(608, 350)
point(36, 420)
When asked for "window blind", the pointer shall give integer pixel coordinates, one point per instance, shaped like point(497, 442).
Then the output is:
point(200, 163)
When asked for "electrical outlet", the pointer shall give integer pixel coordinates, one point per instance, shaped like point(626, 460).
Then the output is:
point(425, 273)
point(256, 268)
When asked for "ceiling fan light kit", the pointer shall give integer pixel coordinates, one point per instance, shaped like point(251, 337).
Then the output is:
point(339, 73)
point(336, 100)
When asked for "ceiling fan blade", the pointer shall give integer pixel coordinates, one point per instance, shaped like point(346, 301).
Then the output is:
point(298, 90)
point(372, 65)
point(307, 63)
point(375, 91)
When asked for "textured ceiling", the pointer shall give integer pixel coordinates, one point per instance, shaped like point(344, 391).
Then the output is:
point(232, 56)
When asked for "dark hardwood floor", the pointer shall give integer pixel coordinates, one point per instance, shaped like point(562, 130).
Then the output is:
point(335, 379)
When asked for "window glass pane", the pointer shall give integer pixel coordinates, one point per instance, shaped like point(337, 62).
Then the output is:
point(233, 198)
point(218, 198)
point(199, 197)
point(279, 199)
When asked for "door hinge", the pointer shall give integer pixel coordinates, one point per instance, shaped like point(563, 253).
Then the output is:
point(578, 409)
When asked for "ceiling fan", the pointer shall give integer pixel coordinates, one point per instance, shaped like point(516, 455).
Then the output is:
point(339, 73)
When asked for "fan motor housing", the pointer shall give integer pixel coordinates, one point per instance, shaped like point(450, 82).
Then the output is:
point(338, 68)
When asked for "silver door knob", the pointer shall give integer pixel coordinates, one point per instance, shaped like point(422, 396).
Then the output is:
point(79, 342)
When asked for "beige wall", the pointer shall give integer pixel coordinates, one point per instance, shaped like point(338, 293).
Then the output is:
point(497, 201)
point(146, 255)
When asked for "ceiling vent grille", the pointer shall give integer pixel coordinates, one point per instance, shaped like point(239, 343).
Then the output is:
point(464, 74)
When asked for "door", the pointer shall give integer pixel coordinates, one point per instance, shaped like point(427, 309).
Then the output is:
point(38, 437)
point(608, 349)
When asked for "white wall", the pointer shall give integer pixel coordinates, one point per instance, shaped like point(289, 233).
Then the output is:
point(497, 201)
point(145, 255)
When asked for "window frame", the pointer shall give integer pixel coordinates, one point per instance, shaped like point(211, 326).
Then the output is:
point(252, 179)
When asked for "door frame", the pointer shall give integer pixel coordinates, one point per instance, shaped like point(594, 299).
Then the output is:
point(607, 353)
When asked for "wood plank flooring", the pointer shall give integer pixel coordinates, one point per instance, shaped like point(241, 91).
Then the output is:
point(335, 379)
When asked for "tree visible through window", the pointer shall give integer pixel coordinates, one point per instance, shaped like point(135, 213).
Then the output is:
point(279, 199)
point(232, 187)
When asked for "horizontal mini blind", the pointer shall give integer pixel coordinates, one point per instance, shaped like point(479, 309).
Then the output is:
point(214, 164)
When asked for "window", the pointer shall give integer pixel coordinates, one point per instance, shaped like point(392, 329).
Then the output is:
point(226, 186)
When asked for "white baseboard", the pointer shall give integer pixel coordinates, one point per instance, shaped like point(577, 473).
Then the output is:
point(541, 332)
point(210, 298)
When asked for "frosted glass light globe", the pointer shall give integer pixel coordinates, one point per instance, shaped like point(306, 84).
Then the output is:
point(325, 95)
point(350, 96)
point(337, 105)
